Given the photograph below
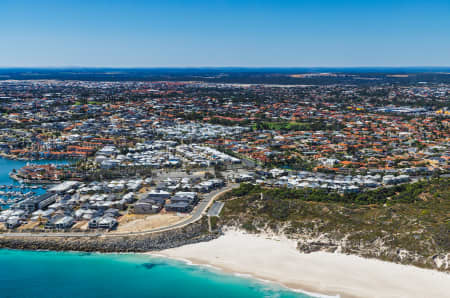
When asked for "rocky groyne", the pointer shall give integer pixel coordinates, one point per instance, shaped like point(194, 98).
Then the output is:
point(196, 232)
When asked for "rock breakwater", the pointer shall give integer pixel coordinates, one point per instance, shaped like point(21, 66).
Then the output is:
point(196, 232)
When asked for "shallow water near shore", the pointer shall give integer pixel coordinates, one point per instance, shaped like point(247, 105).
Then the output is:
point(70, 274)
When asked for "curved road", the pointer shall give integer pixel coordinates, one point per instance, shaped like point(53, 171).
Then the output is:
point(196, 215)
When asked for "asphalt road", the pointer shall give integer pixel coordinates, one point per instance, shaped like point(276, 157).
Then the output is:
point(196, 215)
point(215, 208)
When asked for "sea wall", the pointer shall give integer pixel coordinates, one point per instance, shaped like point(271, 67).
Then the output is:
point(196, 232)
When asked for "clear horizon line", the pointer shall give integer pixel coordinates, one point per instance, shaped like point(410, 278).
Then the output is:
point(215, 67)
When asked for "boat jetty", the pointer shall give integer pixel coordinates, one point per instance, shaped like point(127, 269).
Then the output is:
point(10, 194)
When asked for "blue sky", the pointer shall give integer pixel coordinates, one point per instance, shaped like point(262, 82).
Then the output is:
point(224, 33)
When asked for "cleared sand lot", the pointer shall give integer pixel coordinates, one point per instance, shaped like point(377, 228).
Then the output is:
point(144, 222)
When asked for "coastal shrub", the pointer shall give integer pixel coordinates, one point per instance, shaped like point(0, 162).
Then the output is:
point(245, 189)
point(405, 193)
point(214, 222)
point(248, 226)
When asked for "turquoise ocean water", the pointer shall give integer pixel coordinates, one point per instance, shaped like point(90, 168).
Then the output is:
point(70, 274)
point(41, 274)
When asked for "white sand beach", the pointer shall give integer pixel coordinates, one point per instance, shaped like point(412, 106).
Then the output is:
point(277, 260)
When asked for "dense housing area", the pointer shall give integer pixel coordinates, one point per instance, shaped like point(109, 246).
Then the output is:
point(340, 162)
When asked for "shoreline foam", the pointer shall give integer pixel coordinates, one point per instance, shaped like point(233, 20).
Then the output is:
point(219, 269)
